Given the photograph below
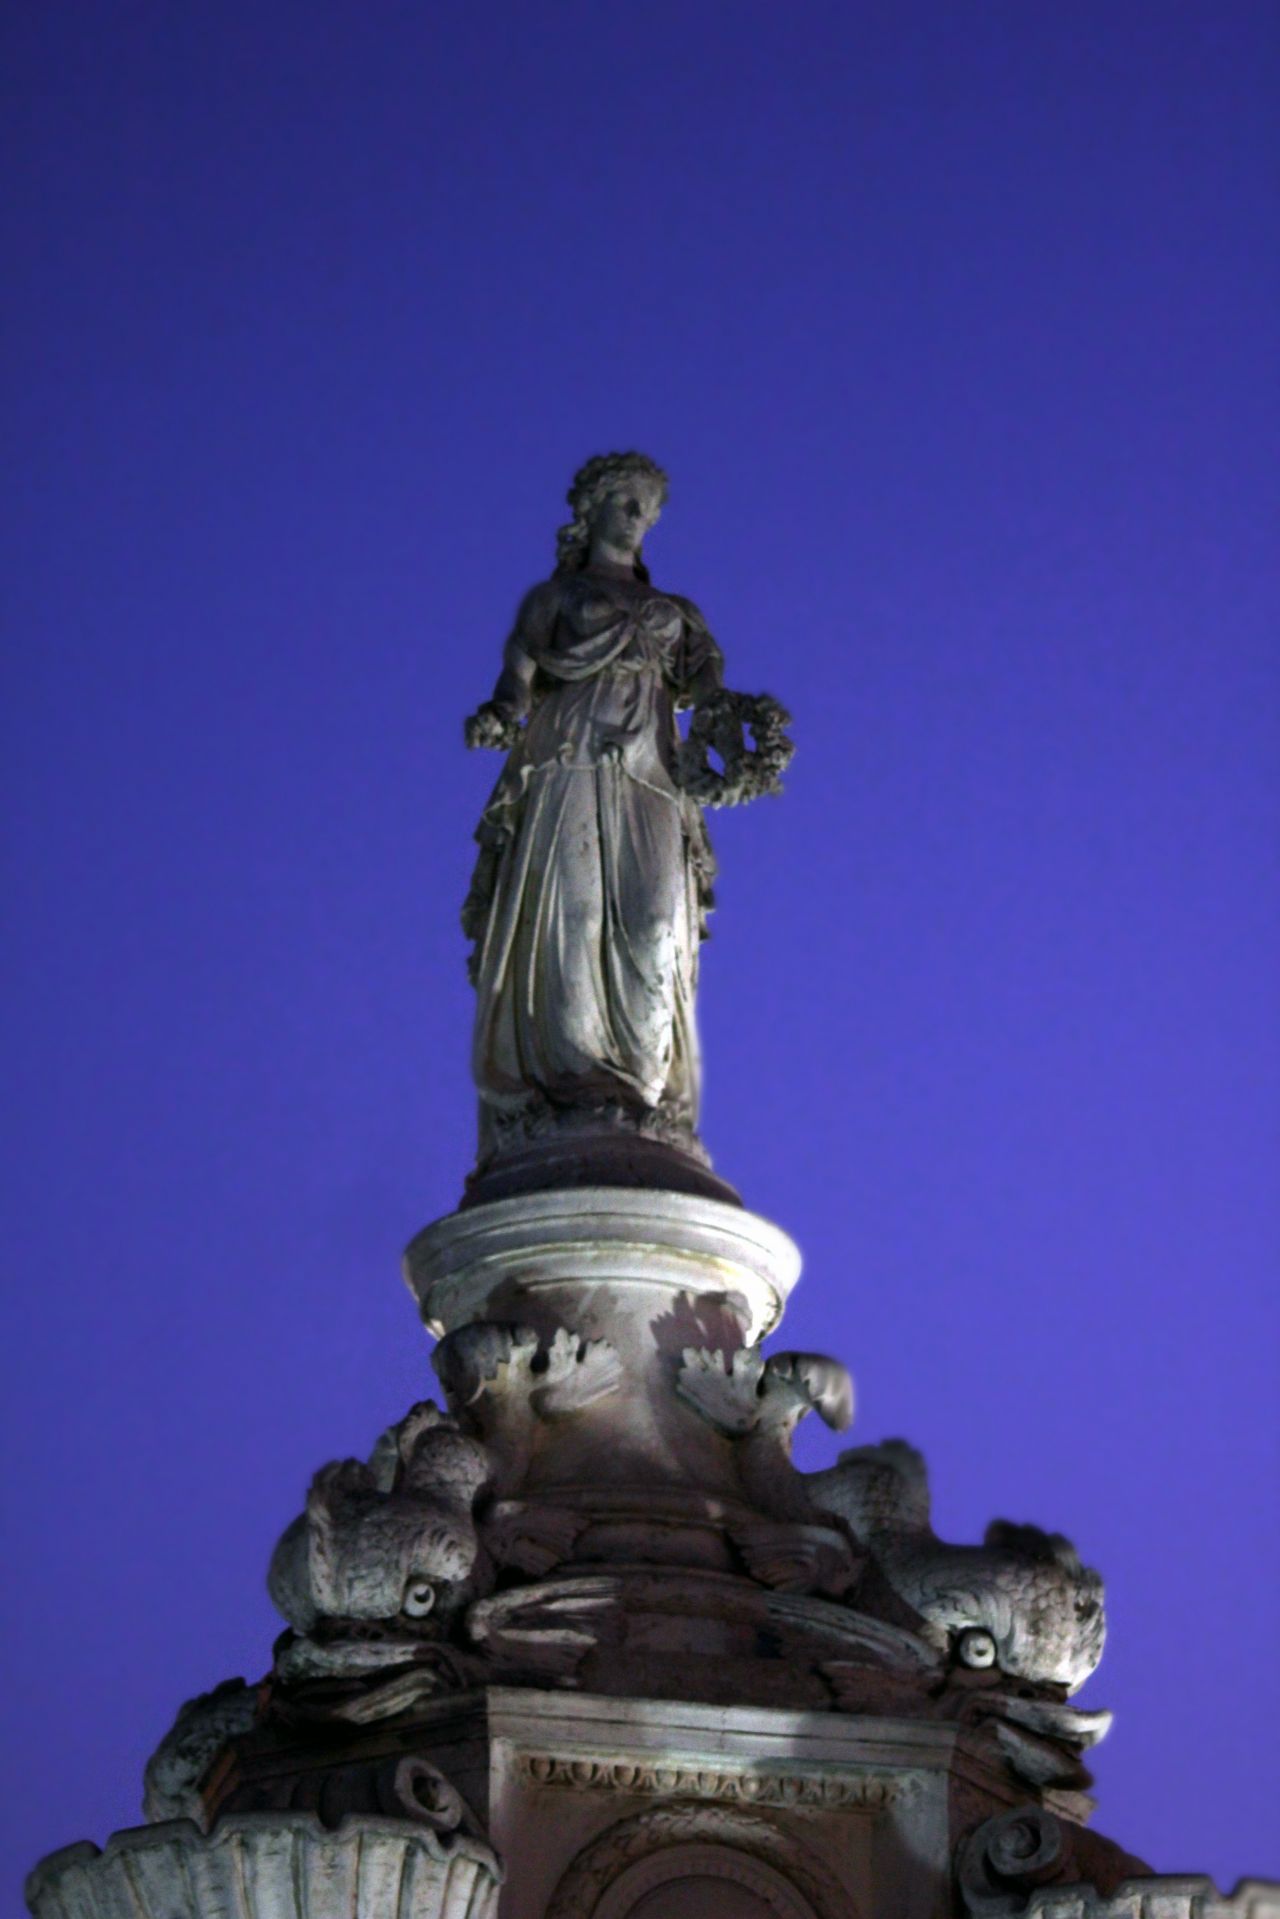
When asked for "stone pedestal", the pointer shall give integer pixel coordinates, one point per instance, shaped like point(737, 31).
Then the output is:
point(586, 1645)
point(631, 1281)
point(624, 1809)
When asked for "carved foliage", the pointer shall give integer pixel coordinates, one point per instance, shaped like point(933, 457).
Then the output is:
point(578, 1372)
point(724, 1389)
point(499, 1375)
point(720, 725)
point(485, 1358)
point(501, 1382)
point(758, 1403)
point(742, 1392)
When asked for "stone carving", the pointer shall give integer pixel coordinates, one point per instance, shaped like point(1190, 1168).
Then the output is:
point(724, 1388)
point(1007, 1858)
point(500, 1382)
point(604, 1547)
point(487, 1358)
point(1028, 1864)
point(344, 1778)
point(746, 1393)
point(593, 881)
point(1159, 1897)
point(735, 1787)
point(1021, 1602)
point(690, 1633)
point(1040, 1740)
point(759, 1403)
point(390, 1540)
point(202, 1728)
point(546, 1631)
point(387, 1674)
point(505, 1363)
point(720, 726)
point(265, 1865)
point(796, 1558)
point(745, 1837)
point(702, 1875)
point(579, 1372)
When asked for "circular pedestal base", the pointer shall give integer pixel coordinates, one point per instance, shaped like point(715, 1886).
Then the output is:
point(569, 1161)
point(581, 1310)
point(480, 1262)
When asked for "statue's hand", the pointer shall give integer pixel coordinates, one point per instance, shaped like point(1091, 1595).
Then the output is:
point(490, 726)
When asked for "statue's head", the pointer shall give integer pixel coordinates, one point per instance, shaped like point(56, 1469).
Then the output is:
point(617, 497)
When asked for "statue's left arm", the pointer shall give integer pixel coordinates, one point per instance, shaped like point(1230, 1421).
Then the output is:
point(746, 732)
point(700, 668)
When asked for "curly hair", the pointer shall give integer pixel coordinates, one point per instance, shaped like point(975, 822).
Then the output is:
point(592, 485)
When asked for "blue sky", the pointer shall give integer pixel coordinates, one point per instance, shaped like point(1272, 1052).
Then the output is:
point(954, 325)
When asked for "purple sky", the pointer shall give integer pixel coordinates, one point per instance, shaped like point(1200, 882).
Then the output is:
point(955, 326)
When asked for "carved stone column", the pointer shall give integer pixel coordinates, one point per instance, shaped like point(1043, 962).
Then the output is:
point(609, 1289)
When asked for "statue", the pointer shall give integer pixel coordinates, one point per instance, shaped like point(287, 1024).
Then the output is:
point(594, 877)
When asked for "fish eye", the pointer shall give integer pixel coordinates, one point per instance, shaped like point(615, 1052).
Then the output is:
point(976, 1648)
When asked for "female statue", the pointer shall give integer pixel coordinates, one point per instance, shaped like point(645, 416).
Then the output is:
point(593, 881)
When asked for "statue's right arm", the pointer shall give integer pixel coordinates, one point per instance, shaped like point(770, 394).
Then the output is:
point(512, 694)
point(495, 723)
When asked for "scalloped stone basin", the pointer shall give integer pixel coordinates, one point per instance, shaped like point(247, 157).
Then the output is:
point(269, 1866)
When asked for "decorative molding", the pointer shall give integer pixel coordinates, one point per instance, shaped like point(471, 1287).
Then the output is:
point(733, 1786)
point(671, 1242)
point(705, 1873)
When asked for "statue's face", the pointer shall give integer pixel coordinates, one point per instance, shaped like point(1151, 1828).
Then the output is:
point(624, 516)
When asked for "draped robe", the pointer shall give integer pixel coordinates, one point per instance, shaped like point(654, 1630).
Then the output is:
point(595, 870)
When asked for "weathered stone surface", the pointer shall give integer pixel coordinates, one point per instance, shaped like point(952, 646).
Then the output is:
point(472, 1264)
point(855, 1813)
point(566, 1318)
point(1027, 1864)
point(391, 1539)
point(1159, 1897)
point(1021, 1601)
point(203, 1727)
point(632, 1520)
point(271, 1866)
point(593, 882)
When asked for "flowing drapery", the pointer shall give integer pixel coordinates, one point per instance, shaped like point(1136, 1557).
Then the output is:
point(594, 874)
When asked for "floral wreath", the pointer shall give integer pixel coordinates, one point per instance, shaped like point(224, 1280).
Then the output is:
point(720, 725)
